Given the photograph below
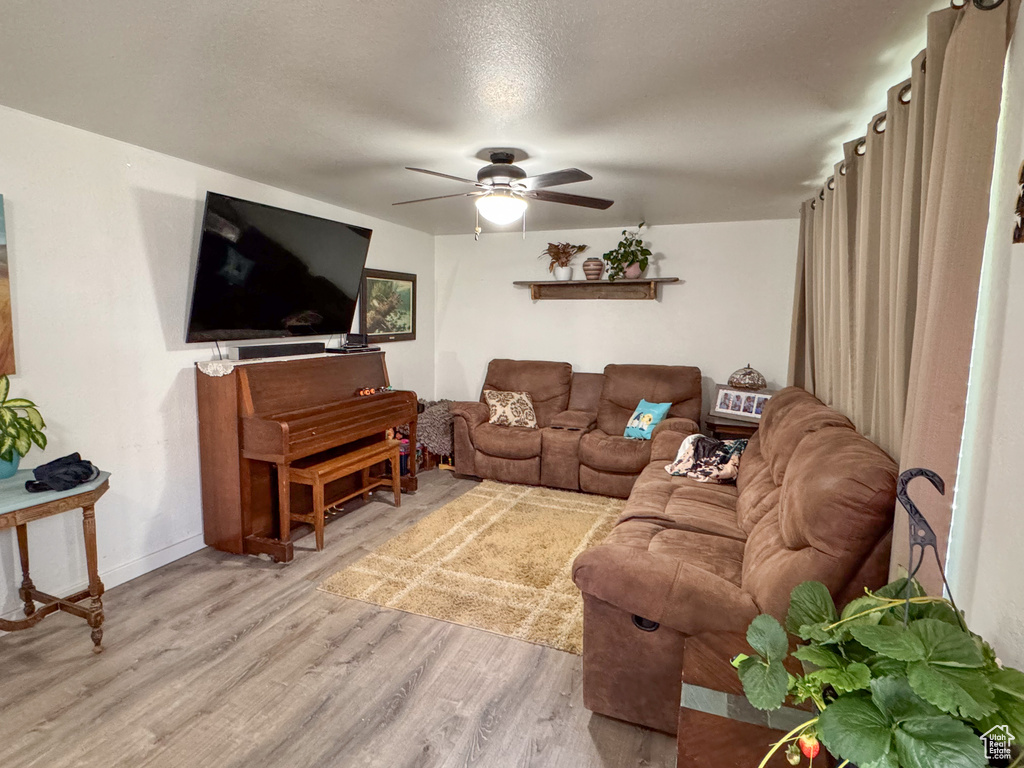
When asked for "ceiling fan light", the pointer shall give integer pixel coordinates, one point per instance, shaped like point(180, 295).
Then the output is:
point(501, 207)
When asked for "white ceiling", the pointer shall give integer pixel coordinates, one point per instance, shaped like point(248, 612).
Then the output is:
point(681, 110)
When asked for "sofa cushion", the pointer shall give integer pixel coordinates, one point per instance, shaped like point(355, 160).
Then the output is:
point(682, 504)
point(626, 385)
point(614, 453)
point(721, 556)
point(548, 384)
point(789, 416)
point(758, 492)
point(507, 442)
point(835, 505)
point(510, 409)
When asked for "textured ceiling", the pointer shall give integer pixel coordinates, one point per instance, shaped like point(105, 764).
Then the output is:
point(681, 110)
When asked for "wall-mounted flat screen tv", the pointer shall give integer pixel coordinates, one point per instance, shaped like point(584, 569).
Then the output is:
point(264, 272)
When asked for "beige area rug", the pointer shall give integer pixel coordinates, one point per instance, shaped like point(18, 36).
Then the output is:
point(498, 558)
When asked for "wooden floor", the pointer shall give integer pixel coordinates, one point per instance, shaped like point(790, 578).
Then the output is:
point(219, 660)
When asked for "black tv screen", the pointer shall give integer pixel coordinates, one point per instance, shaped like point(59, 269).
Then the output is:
point(264, 272)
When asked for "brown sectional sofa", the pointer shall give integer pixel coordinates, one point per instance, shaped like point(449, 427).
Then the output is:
point(813, 501)
point(578, 444)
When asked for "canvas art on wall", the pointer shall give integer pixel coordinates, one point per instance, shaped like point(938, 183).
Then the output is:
point(6, 325)
point(387, 306)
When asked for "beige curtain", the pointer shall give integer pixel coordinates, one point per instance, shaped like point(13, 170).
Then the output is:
point(890, 256)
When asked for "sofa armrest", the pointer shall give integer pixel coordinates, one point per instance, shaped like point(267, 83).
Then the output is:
point(665, 446)
point(582, 420)
point(663, 589)
point(474, 413)
point(677, 424)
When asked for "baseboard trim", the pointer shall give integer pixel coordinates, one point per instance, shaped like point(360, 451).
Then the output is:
point(126, 572)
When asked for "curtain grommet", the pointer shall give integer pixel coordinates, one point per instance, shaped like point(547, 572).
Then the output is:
point(861, 148)
point(831, 183)
point(821, 194)
point(814, 204)
point(842, 168)
point(987, 5)
point(879, 125)
point(906, 94)
point(958, 4)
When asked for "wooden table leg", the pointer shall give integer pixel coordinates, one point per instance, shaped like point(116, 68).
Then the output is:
point(95, 585)
point(396, 481)
point(284, 503)
point(364, 478)
point(26, 581)
point(318, 513)
point(412, 449)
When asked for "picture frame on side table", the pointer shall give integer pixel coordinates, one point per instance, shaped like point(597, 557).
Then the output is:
point(387, 306)
point(740, 404)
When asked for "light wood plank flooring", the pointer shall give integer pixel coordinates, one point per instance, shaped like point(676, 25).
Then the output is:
point(218, 660)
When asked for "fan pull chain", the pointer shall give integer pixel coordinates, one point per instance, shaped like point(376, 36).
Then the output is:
point(476, 232)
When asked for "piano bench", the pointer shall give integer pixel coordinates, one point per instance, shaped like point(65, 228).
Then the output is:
point(337, 467)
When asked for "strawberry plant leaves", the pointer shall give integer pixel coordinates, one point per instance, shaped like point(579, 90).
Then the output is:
point(892, 641)
point(883, 666)
point(810, 603)
point(853, 728)
point(767, 637)
point(1009, 681)
point(898, 589)
point(962, 692)
point(947, 645)
point(927, 742)
point(818, 656)
point(895, 697)
point(860, 611)
point(855, 677)
point(888, 760)
point(765, 684)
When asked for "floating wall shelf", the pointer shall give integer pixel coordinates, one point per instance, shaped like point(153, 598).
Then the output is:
point(644, 288)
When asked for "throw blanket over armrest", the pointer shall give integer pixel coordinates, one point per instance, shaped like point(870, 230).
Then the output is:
point(474, 413)
point(574, 420)
point(663, 589)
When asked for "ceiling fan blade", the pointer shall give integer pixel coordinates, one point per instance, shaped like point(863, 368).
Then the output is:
point(440, 197)
point(562, 197)
point(442, 175)
point(553, 179)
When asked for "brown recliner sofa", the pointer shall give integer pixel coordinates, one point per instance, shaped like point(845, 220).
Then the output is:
point(578, 444)
point(813, 501)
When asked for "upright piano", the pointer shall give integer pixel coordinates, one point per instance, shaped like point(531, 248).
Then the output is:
point(257, 417)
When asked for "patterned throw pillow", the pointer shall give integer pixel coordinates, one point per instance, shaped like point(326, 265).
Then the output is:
point(644, 419)
point(707, 460)
point(511, 409)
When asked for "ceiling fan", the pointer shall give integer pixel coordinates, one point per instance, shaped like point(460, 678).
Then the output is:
point(503, 189)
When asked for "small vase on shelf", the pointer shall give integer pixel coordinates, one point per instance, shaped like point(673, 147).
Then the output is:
point(593, 267)
point(563, 273)
point(633, 272)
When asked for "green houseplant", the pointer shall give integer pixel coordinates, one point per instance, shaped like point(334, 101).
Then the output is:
point(561, 256)
point(20, 426)
point(630, 250)
point(896, 684)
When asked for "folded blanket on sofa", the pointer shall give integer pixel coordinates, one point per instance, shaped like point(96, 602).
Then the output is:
point(708, 460)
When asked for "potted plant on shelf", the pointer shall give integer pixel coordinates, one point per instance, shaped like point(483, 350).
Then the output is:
point(898, 682)
point(630, 257)
point(561, 255)
point(20, 426)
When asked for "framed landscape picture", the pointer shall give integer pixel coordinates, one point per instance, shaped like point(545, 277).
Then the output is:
point(740, 404)
point(387, 306)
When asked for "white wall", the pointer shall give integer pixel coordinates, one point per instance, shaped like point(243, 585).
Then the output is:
point(733, 306)
point(101, 238)
point(987, 534)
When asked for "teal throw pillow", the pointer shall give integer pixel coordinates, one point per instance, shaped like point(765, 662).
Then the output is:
point(644, 419)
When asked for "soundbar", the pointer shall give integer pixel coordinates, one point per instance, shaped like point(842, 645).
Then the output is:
point(256, 351)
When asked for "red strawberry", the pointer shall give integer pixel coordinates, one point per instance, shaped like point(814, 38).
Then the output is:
point(809, 745)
